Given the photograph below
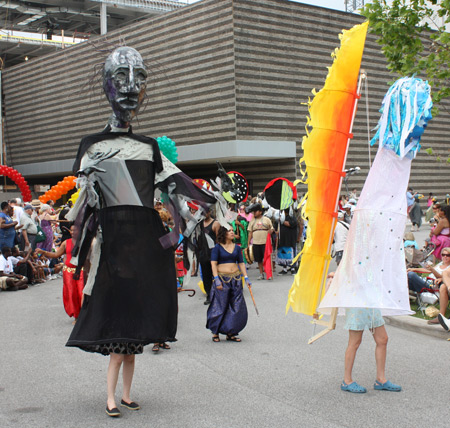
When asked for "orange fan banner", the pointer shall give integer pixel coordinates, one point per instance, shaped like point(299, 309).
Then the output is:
point(58, 190)
point(325, 150)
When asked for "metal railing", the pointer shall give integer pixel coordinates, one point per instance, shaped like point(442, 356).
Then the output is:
point(161, 5)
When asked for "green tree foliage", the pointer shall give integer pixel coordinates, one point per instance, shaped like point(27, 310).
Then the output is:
point(414, 41)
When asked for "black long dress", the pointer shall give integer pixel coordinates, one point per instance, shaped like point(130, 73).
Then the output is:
point(134, 294)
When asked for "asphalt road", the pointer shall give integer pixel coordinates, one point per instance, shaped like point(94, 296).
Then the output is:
point(271, 379)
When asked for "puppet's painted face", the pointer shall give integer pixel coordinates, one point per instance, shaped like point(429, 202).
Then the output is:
point(124, 82)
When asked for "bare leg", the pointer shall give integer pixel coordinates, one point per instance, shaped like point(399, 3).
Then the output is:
point(115, 361)
point(261, 268)
point(354, 340)
point(381, 339)
point(443, 292)
point(21, 282)
point(443, 298)
point(127, 372)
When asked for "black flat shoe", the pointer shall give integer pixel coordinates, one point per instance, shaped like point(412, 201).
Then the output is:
point(131, 406)
point(233, 338)
point(114, 413)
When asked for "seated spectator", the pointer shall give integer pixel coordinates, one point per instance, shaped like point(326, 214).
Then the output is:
point(9, 280)
point(440, 235)
point(444, 293)
point(410, 240)
point(37, 266)
point(416, 283)
point(20, 264)
point(432, 214)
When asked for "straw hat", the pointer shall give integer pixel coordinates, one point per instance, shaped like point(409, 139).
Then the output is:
point(409, 236)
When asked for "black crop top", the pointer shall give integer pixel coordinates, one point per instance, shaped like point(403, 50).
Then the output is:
point(221, 256)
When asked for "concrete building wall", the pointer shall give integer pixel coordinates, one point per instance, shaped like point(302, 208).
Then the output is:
point(221, 70)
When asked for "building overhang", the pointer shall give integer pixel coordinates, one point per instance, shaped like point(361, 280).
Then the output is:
point(196, 154)
point(236, 151)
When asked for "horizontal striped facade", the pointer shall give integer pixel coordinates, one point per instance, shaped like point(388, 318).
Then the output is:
point(221, 70)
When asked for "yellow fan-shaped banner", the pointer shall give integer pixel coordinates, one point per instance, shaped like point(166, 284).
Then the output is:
point(325, 151)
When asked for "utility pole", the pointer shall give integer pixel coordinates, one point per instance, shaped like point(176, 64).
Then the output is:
point(353, 5)
point(103, 19)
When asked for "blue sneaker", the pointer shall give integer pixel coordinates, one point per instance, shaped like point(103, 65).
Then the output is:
point(353, 387)
point(387, 386)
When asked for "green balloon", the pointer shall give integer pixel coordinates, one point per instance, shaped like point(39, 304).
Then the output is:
point(168, 148)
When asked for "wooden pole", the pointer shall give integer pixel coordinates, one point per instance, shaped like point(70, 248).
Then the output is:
point(331, 324)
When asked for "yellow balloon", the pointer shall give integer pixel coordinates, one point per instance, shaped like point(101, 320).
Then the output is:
point(74, 197)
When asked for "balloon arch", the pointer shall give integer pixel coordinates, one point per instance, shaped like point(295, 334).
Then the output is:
point(58, 190)
point(18, 179)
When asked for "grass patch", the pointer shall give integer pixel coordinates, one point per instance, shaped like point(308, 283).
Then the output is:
point(418, 314)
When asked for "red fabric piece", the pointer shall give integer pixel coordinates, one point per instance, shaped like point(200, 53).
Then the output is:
point(72, 289)
point(72, 293)
point(267, 263)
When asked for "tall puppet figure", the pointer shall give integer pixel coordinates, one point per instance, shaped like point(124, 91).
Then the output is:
point(371, 279)
point(131, 291)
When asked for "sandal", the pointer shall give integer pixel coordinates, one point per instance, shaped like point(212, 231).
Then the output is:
point(387, 386)
point(216, 339)
point(233, 338)
point(353, 387)
point(155, 347)
point(164, 345)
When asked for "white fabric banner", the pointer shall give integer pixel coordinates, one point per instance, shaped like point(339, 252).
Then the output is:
point(372, 273)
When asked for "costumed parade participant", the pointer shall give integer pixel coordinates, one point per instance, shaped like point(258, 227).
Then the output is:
point(371, 279)
point(287, 243)
point(227, 313)
point(240, 229)
point(207, 240)
point(72, 288)
point(259, 233)
point(281, 195)
point(130, 295)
